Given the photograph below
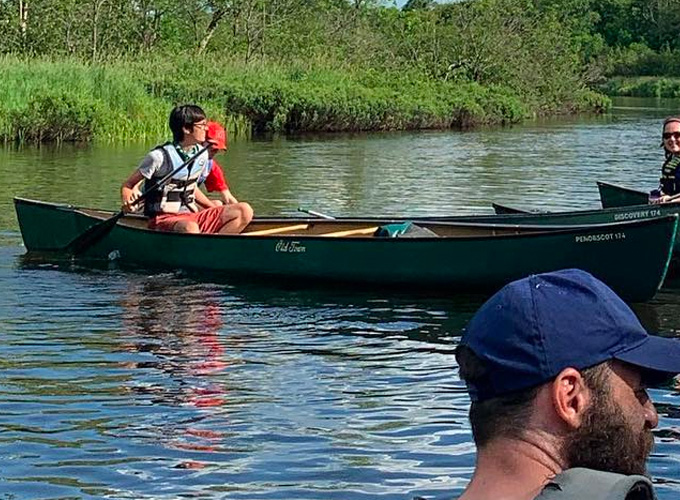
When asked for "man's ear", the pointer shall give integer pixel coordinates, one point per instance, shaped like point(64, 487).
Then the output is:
point(570, 397)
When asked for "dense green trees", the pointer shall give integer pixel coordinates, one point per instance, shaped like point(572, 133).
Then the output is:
point(541, 55)
point(435, 37)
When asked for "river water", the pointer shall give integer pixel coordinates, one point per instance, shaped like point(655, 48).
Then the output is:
point(130, 385)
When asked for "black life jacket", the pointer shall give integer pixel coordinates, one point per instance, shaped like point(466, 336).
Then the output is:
point(668, 183)
point(177, 195)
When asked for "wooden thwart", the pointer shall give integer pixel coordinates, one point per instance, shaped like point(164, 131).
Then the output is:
point(352, 232)
point(277, 230)
point(301, 227)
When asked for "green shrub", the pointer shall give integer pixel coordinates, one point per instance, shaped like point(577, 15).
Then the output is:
point(646, 86)
point(67, 100)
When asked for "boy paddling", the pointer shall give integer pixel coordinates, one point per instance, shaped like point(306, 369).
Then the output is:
point(175, 206)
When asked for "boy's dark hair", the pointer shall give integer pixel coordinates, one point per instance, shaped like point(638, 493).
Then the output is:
point(506, 416)
point(182, 117)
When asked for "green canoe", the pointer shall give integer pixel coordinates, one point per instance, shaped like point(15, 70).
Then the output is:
point(512, 215)
point(631, 256)
point(612, 195)
point(506, 215)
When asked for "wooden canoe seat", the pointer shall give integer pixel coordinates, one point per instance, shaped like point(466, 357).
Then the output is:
point(277, 230)
point(352, 232)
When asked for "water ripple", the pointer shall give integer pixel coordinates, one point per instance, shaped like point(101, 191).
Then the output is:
point(125, 385)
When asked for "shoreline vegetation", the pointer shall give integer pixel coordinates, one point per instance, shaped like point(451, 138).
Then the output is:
point(642, 86)
point(74, 100)
point(70, 100)
point(111, 71)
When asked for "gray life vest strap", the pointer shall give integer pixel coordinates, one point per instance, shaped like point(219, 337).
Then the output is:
point(580, 483)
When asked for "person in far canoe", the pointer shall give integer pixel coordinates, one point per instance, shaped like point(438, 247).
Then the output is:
point(216, 137)
point(669, 184)
point(557, 368)
point(176, 205)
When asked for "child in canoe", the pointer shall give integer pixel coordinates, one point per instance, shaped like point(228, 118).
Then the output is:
point(176, 205)
point(216, 137)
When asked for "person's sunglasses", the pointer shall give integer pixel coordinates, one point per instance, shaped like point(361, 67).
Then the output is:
point(674, 135)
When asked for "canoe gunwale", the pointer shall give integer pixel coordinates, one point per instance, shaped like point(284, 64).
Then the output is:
point(533, 230)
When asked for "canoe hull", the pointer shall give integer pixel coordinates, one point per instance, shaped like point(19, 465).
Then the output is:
point(511, 215)
point(470, 263)
point(612, 195)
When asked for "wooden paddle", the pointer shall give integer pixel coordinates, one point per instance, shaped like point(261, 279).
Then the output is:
point(95, 233)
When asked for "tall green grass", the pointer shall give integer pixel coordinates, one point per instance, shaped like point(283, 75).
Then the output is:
point(67, 100)
point(42, 100)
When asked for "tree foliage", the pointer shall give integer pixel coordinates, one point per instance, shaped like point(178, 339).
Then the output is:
point(439, 38)
point(418, 5)
point(544, 52)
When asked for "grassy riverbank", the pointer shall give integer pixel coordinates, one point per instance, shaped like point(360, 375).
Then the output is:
point(67, 100)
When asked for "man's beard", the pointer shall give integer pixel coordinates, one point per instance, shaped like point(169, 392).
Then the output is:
point(607, 442)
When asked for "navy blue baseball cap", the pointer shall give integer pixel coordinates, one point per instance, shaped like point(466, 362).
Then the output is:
point(534, 328)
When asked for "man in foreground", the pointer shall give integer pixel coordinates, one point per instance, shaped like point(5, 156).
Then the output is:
point(557, 367)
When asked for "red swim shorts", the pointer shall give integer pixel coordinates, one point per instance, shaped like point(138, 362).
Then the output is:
point(208, 220)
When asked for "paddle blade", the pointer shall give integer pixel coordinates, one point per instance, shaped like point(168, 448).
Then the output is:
point(92, 235)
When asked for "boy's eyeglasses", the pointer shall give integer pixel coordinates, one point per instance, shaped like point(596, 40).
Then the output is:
point(674, 135)
point(204, 125)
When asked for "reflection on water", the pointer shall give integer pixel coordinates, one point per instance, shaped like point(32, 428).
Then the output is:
point(157, 386)
point(125, 384)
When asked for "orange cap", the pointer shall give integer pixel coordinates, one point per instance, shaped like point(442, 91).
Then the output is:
point(216, 135)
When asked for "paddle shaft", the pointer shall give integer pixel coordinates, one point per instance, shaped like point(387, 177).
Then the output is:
point(164, 180)
point(96, 232)
point(315, 214)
